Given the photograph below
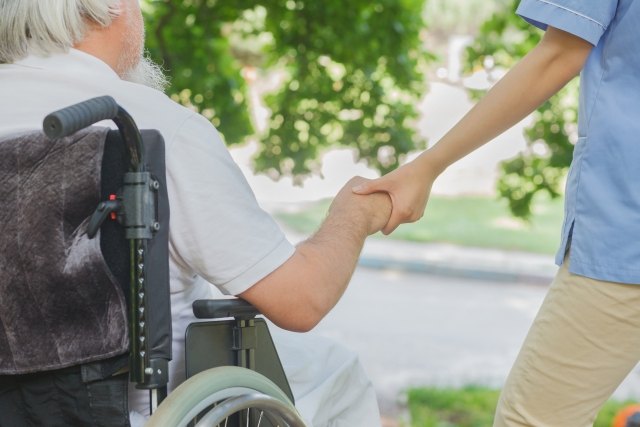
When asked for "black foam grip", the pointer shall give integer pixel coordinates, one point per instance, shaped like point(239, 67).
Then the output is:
point(219, 308)
point(69, 120)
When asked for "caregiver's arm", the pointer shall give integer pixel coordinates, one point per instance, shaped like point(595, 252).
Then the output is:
point(542, 72)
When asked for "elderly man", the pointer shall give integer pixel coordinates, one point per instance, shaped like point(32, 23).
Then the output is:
point(58, 52)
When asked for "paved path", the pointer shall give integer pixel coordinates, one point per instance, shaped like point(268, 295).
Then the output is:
point(413, 329)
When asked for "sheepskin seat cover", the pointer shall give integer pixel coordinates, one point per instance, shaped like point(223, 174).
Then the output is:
point(59, 303)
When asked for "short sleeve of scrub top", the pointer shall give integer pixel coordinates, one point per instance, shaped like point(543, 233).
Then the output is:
point(587, 19)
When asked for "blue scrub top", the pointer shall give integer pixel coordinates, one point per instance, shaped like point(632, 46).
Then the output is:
point(602, 201)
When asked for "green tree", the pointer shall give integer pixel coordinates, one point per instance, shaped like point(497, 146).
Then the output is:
point(353, 73)
point(506, 38)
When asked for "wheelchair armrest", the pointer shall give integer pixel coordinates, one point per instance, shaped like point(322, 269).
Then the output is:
point(216, 309)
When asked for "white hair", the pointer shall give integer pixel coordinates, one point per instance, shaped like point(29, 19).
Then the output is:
point(148, 73)
point(48, 26)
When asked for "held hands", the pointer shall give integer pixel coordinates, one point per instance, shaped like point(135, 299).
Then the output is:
point(373, 210)
point(408, 186)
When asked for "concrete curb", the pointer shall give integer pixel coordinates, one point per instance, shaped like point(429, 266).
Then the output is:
point(452, 261)
point(456, 261)
point(454, 271)
point(466, 272)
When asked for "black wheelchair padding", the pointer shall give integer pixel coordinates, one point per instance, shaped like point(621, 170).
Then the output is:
point(115, 247)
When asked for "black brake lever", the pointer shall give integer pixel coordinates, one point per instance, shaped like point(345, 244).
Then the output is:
point(100, 215)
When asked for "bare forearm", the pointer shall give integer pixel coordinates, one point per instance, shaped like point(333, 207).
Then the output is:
point(544, 71)
point(555, 61)
point(298, 294)
point(331, 254)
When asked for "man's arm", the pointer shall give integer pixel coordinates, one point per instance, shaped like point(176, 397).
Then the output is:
point(298, 294)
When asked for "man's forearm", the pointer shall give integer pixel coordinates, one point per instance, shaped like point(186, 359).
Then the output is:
point(331, 254)
point(544, 71)
point(298, 294)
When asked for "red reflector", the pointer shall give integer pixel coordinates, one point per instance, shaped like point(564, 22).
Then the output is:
point(113, 215)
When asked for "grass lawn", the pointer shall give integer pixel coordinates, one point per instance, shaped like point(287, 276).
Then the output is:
point(472, 407)
point(469, 221)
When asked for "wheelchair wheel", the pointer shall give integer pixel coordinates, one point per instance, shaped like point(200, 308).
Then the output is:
point(218, 395)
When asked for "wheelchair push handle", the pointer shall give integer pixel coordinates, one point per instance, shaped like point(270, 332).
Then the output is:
point(71, 119)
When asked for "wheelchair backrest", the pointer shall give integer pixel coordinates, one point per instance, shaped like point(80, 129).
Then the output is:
point(63, 295)
point(60, 305)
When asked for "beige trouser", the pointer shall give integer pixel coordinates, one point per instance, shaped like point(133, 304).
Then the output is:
point(583, 343)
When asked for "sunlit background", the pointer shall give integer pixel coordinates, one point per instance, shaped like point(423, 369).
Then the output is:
point(309, 93)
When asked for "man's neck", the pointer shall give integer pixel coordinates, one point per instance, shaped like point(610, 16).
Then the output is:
point(106, 43)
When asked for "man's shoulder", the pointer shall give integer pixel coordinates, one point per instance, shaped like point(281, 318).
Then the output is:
point(152, 109)
point(50, 83)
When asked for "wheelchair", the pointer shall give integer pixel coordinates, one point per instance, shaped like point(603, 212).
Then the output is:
point(108, 281)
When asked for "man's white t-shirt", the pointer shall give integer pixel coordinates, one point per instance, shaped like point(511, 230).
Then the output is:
point(217, 230)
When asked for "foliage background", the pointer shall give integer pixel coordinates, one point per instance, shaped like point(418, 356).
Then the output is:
point(351, 74)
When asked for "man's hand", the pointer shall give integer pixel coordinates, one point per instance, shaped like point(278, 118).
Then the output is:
point(373, 210)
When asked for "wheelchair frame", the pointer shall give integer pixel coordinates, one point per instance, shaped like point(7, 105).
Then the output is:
point(230, 388)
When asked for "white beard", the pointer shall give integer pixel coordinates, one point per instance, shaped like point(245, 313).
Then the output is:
point(147, 73)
